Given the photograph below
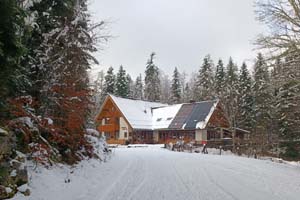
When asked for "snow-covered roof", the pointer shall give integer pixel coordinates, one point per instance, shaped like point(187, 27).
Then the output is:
point(152, 115)
point(137, 112)
point(162, 117)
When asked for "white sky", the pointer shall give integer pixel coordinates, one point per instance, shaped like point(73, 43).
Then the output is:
point(181, 32)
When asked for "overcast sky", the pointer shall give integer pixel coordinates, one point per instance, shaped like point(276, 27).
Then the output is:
point(180, 32)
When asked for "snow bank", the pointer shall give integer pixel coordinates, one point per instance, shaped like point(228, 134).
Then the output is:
point(62, 181)
point(98, 142)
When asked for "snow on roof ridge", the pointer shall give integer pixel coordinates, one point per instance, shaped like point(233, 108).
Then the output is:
point(133, 99)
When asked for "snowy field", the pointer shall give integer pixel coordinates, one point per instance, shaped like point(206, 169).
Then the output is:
point(154, 173)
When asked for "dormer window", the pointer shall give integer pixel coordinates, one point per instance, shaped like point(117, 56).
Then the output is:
point(159, 119)
point(169, 118)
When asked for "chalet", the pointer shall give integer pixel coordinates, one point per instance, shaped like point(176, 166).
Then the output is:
point(123, 120)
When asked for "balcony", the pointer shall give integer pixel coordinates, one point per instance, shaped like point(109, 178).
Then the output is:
point(109, 128)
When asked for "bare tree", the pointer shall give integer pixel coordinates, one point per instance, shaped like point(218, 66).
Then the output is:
point(283, 18)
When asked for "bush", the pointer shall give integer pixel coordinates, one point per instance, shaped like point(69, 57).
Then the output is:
point(292, 150)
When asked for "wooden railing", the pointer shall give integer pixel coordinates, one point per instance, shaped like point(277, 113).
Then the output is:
point(109, 128)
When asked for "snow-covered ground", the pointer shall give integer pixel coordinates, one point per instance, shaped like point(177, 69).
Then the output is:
point(155, 173)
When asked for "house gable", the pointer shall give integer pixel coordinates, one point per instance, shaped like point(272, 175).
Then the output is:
point(218, 118)
point(111, 115)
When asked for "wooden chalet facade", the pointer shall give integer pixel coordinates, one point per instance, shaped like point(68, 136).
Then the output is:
point(124, 121)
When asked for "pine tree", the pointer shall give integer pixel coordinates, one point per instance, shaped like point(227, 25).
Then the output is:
point(231, 92)
point(98, 92)
point(130, 86)
point(109, 84)
point(183, 81)
point(176, 87)
point(187, 95)
point(288, 99)
point(245, 101)
point(152, 80)
point(204, 84)
point(220, 79)
point(13, 79)
point(138, 88)
point(276, 82)
point(121, 83)
point(165, 90)
point(262, 100)
point(48, 21)
point(67, 90)
point(193, 86)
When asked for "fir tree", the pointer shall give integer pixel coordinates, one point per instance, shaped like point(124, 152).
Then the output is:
point(98, 92)
point(204, 84)
point(109, 83)
point(130, 86)
point(176, 87)
point(152, 81)
point(276, 82)
point(67, 90)
point(262, 99)
point(138, 88)
point(48, 21)
point(12, 74)
point(231, 92)
point(121, 83)
point(187, 95)
point(288, 98)
point(245, 101)
point(220, 79)
point(165, 96)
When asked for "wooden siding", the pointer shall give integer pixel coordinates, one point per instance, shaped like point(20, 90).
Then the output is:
point(218, 118)
point(111, 114)
point(142, 137)
point(167, 136)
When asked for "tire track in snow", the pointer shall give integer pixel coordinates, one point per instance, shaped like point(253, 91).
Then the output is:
point(187, 188)
point(117, 180)
point(145, 173)
point(128, 181)
point(214, 182)
point(259, 175)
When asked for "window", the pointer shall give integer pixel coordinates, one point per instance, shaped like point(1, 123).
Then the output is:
point(169, 118)
point(125, 134)
point(117, 134)
point(159, 119)
point(106, 120)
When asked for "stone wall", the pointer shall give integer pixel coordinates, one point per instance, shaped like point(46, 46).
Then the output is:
point(13, 172)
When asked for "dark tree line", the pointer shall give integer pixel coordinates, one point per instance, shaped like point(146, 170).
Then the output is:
point(45, 53)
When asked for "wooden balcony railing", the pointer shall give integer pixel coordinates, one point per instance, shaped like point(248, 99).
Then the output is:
point(109, 128)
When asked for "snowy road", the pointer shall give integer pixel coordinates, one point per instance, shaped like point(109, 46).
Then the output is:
point(154, 173)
